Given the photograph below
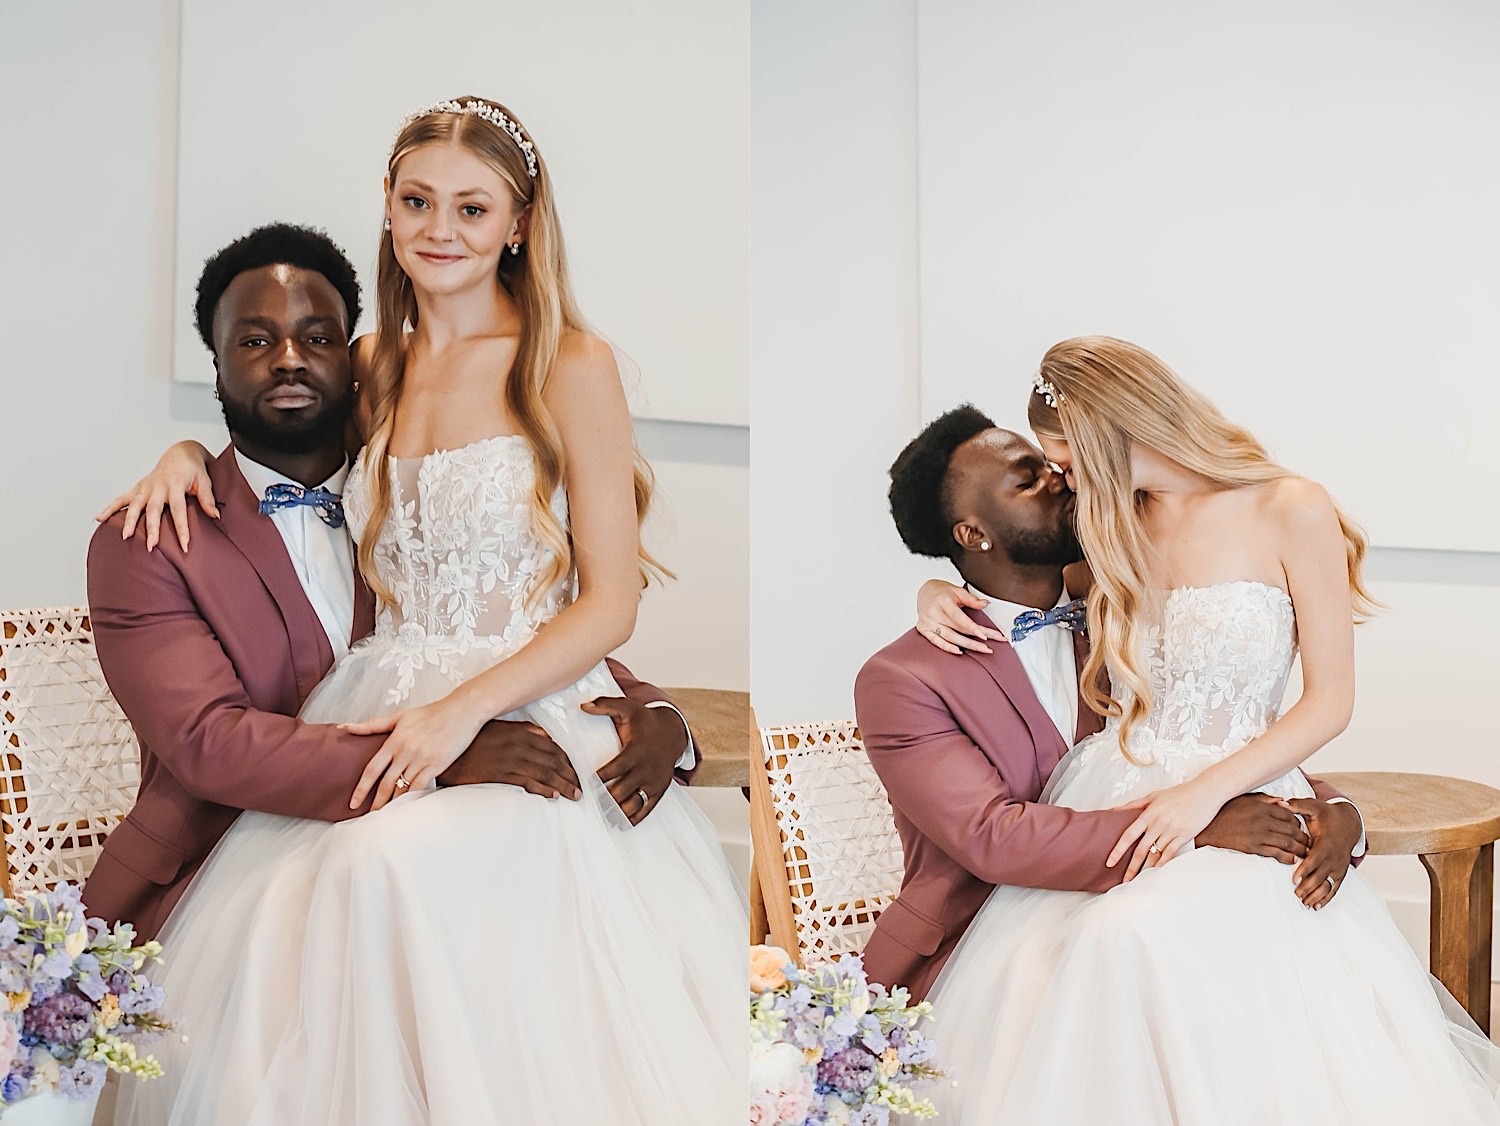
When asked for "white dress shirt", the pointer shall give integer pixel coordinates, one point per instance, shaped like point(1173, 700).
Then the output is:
point(322, 556)
point(1047, 657)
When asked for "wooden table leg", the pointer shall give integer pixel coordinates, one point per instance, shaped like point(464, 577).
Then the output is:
point(1463, 893)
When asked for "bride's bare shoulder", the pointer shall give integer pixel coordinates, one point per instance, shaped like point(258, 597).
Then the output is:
point(1297, 506)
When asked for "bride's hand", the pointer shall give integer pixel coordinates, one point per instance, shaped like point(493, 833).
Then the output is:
point(941, 620)
point(180, 473)
point(1169, 820)
point(423, 743)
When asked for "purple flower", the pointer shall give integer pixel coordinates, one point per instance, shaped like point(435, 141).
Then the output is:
point(62, 1019)
point(81, 1079)
point(9, 930)
point(142, 1000)
point(57, 964)
point(14, 1086)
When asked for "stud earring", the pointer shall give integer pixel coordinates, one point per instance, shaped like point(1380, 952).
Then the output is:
point(217, 396)
point(515, 248)
point(356, 387)
point(387, 224)
point(984, 545)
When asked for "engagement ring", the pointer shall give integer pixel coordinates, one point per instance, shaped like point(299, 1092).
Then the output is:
point(401, 782)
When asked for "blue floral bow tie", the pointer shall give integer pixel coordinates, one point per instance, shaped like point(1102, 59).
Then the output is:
point(329, 506)
point(1073, 616)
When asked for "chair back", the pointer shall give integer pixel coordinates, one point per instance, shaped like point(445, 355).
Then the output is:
point(827, 854)
point(70, 764)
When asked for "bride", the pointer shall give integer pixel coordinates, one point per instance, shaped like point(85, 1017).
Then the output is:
point(1203, 991)
point(475, 954)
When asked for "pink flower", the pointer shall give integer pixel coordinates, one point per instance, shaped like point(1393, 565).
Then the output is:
point(794, 1105)
point(763, 1110)
point(10, 1040)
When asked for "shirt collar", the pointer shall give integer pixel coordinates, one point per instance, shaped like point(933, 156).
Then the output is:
point(260, 478)
point(1003, 613)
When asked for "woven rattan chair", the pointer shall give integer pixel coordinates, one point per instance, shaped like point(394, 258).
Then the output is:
point(71, 764)
point(827, 856)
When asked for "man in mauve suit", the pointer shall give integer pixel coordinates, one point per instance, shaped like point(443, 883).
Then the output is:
point(211, 652)
point(964, 734)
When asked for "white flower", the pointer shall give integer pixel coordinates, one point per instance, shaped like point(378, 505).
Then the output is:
point(775, 1067)
point(74, 943)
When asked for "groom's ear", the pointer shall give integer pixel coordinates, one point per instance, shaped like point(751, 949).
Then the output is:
point(969, 537)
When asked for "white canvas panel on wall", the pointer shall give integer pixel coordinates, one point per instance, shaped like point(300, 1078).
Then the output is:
point(1293, 204)
point(640, 110)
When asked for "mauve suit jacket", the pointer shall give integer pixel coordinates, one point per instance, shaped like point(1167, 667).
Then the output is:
point(964, 747)
point(210, 654)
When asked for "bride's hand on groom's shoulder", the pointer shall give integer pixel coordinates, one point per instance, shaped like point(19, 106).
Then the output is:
point(180, 473)
point(942, 621)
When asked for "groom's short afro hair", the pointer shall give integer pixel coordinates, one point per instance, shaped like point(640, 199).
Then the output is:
point(277, 244)
point(921, 500)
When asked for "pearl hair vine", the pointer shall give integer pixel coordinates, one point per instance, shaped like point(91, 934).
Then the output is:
point(488, 113)
point(1047, 391)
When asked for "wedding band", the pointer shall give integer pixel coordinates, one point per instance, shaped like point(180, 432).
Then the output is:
point(401, 782)
point(645, 797)
point(1334, 884)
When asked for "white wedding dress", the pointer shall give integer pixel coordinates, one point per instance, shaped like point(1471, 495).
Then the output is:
point(1202, 993)
point(467, 956)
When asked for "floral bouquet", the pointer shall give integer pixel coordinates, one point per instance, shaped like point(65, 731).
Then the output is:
point(827, 1047)
point(73, 1001)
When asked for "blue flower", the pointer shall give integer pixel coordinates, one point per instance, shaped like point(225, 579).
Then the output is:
point(14, 1086)
point(81, 1079)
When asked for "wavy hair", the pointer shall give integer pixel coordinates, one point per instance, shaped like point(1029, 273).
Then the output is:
point(1111, 394)
point(537, 281)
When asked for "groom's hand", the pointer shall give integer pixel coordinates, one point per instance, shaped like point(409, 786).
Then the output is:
point(517, 754)
point(651, 742)
point(1259, 825)
point(1335, 829)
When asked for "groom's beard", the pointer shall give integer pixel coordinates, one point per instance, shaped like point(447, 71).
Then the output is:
point(302, 433)
point(1056, 548)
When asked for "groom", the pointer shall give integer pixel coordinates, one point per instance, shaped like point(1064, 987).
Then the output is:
point(211, 652)
point(965, 742)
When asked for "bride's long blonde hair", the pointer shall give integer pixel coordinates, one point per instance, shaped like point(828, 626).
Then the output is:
point(1108, 395)
point(537, 281)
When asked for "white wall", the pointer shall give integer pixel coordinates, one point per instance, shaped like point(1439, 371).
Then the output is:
point(840, 97)
point(88, 107)
point(1283, 198)
point(833, 342)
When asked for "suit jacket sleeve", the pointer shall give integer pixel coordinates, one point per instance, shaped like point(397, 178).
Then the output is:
point(939, 778)
point(643, 693)
point(180, 692)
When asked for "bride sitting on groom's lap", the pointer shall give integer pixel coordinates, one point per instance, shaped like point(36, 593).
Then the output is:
point(1161, 923)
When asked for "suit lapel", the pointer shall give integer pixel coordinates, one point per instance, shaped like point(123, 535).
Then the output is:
point(257, 539)
point(1089, 721)
point(1004, 667)
point(364, 606)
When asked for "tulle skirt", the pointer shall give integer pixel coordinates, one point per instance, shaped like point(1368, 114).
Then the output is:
point(471, 955)
point(1202, 994)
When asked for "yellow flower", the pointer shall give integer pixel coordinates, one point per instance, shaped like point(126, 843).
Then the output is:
point(109, 1011)
point(18, 1001)
point(889, 1063)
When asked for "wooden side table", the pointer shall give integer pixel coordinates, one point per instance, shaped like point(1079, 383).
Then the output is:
point(1450, 825)
point(720, 721)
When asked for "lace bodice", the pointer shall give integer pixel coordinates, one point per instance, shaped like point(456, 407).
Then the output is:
point(1218, 665)
point(458, 550)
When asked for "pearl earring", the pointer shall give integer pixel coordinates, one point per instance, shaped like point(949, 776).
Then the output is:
point(387, 224)
point(356, 387)
point(984, 545)
point(515, 248)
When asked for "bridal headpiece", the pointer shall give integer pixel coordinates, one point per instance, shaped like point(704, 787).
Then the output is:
point(490, 114)
point(1047, 391)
